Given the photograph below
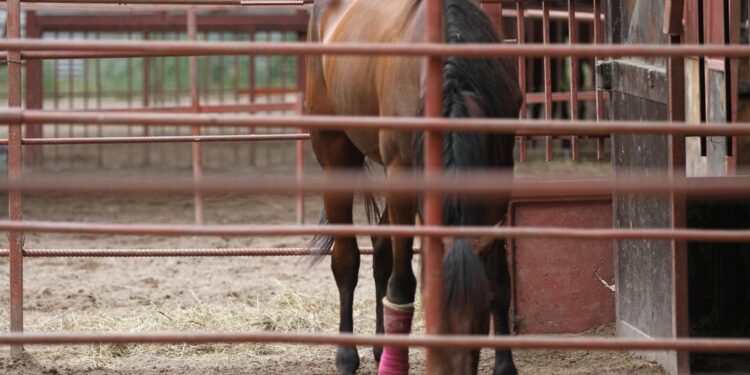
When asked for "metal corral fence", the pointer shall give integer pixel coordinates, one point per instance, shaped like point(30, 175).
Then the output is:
point(237, 84)
point(251, 84)
point(247, 84)
point(673, 184)
point(244, 84)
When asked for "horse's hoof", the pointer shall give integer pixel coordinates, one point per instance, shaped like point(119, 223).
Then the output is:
point(347, 360)
point(377, 351)
point(505, 368)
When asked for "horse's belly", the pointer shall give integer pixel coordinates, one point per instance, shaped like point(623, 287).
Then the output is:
point(367, 142)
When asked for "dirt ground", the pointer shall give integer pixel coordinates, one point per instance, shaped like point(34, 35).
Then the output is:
point(209, 294)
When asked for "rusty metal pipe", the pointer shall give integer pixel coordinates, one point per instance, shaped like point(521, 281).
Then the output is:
point(299, 160)
point(15, 171)
point(522, 79)
point(49, 6)
point(164, 139)
point(138, 253)
point(547, 76)
point(373, 230)
point(195, 130)
point(483, 185)
point(433, 202)
point(555, 15)
point(211, 108)
point(599, 41)
point(431, 341)
point(520, 127)
point(573, 73)
point(44, 5)
point(185, 48)
point(236, 3)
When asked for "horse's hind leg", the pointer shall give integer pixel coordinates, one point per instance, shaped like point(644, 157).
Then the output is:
point(496, 267)
point(382, 263)
point(335, 151)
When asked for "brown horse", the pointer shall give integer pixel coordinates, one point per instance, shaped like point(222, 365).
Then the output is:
point(476, 281)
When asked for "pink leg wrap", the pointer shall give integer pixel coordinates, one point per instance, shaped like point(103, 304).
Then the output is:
point(397, 320)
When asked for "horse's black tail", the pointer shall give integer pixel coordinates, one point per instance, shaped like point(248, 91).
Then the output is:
point(471, 87)
point(320, 246)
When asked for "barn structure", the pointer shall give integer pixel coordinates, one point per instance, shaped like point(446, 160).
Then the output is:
point(657, 279)
point(651, 288)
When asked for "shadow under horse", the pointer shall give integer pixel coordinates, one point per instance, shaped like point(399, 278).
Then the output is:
point(476, 281)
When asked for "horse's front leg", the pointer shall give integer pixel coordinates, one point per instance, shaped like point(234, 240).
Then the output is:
point(496, 267)
point(398, 306)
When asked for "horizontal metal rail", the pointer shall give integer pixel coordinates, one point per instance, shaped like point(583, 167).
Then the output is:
point(373, 230)
point(51, 6)
point(531, 98)
point(187, 48)
point(426, 341)
point(256, 3)
point(222, 108)
point(139, 253)
point(555, 15)
point(484, 184)
point(162, 139)
point(483, 125)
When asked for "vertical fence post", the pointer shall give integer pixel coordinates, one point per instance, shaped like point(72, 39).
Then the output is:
point(268, 91)
point(433, 201)
point(177, 81)
point(146, 100)
point(300, 145)
point(71, 105)
point(98, 88)
point(521, 39)
point(15, 171)
point(251, 95)
point(599, 39)
point(673, 14)
point(300, 161)
point(236, 88)
point(573, 39)
point(547, 79)
point(34, 92)
point(192, 30)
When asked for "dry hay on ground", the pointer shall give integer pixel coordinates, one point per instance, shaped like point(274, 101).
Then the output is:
point(249, 294)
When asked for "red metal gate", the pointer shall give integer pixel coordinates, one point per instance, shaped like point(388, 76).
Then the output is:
point(433, 184)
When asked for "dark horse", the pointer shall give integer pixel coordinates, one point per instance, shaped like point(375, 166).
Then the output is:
point(476, 281)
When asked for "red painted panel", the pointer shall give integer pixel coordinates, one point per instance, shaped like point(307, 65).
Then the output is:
point(555, 290)
point(713, 16)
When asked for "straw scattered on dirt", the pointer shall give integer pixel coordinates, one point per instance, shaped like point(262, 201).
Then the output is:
point(211, 294)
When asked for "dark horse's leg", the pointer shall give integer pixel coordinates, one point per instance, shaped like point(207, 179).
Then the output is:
point(496, 266)
point(335, 151)
point(382, 263)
